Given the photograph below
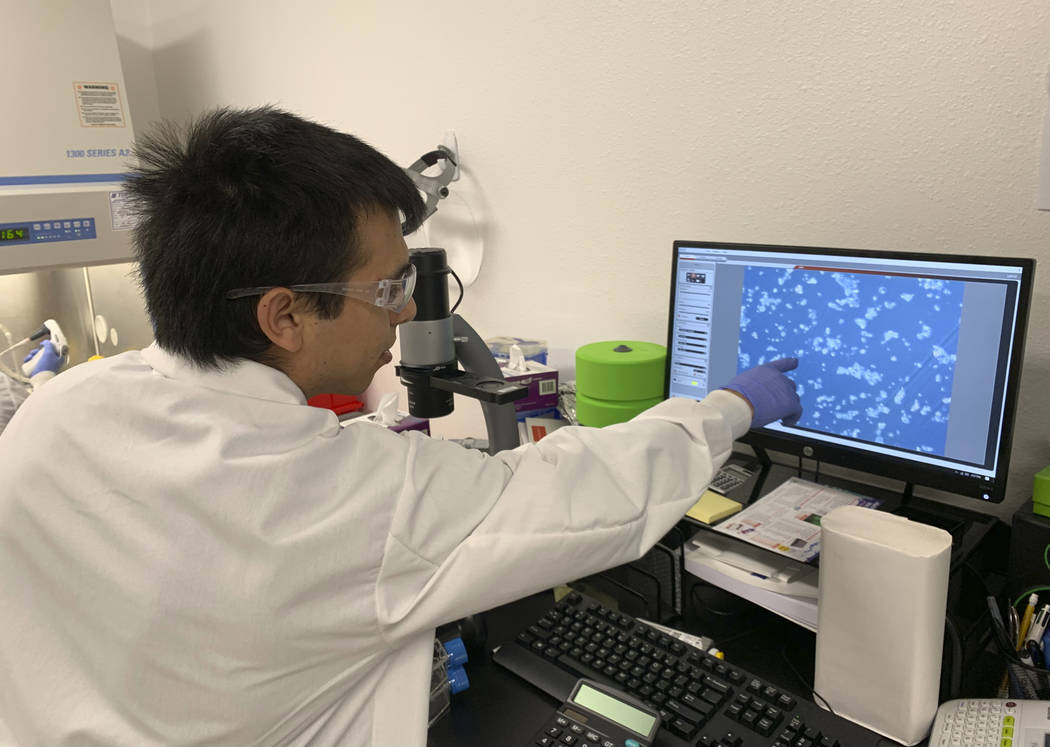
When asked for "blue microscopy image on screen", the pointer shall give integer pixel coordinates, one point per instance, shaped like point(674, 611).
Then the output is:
point(876, 353)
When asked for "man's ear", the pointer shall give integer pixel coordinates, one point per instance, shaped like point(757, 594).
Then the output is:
point(281, 318)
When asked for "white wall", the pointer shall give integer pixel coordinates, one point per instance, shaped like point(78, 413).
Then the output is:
point(594, 133)
point(132, 22)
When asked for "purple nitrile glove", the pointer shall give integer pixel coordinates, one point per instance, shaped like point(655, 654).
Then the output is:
point(772, 394)
point(44, 358)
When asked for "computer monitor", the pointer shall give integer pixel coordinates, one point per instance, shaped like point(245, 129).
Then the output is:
point(909, 364)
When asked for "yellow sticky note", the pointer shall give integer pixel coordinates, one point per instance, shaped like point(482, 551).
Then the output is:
point(711, 507)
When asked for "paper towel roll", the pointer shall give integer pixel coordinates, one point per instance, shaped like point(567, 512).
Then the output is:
point(880, 624)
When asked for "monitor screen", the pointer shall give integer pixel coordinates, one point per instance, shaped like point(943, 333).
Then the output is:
point(909, 364)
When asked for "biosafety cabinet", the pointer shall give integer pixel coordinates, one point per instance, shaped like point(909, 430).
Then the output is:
point(67, 138)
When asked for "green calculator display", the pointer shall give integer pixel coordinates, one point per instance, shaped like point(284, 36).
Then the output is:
point(596, 714)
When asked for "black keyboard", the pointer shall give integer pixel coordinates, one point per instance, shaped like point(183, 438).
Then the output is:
point(702, 700)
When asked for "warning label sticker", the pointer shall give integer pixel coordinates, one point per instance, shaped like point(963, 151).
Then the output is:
point(121, 212)
point(99, 104)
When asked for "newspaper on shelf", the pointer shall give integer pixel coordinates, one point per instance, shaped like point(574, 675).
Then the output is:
point(787, 519)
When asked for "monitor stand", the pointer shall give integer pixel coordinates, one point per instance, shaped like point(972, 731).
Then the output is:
point(953, 525)
point(967, 527)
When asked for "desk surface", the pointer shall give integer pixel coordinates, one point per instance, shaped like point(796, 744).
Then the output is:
point(500, 708)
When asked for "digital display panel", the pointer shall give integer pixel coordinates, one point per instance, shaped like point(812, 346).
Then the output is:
point(908, 363)
point(14, 234)
point(615, 710)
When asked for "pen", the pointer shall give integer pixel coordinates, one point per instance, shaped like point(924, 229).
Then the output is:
point(1026, 620)
point(1038, 626)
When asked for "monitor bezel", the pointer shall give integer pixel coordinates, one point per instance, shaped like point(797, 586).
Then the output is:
point(895, 468)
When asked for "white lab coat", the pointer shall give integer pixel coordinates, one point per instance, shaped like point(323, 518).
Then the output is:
point(195, 557)
point(14, 393)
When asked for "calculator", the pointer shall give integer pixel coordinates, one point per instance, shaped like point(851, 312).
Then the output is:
point(731, 476)
point(600, 716)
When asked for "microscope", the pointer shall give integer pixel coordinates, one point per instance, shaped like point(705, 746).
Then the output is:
point(438, 341)
point(433, 346)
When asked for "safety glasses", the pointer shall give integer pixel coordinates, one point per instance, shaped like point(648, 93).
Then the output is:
point(390, 294)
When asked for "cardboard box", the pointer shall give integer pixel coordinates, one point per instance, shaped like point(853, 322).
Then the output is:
point(537, 428)
point(542, 382)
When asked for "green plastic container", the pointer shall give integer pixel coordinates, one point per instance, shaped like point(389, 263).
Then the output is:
point(617, 379)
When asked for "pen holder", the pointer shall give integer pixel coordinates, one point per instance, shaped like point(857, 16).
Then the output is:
point(1024, 681)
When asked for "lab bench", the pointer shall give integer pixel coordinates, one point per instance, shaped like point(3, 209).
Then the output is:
point(501, 708)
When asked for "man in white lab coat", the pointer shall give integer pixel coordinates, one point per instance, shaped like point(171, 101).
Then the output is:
point(191, 555)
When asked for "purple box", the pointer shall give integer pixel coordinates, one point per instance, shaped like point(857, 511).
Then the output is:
point(542, 382)
point(407, 422)
point(412, 423)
